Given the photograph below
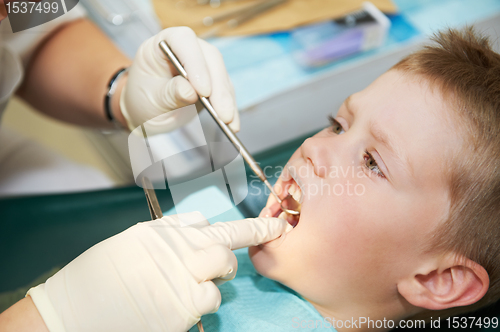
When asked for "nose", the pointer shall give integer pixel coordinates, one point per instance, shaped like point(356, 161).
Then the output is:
point(318, 151)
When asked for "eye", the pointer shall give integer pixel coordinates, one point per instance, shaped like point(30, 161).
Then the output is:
point(372, 165)
point(336, 126)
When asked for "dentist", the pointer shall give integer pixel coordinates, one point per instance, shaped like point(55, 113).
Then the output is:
point(157, 275)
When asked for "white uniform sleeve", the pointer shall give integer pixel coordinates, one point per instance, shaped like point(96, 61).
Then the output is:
point(24, 43)
point(17, 48)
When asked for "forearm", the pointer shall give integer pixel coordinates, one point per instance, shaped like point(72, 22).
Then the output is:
point(68, 75)
point(22, 316)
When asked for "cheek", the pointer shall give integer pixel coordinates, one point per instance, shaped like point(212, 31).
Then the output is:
point(341, 237)
point(273, 263)
point(359, 232)
point(340, 233)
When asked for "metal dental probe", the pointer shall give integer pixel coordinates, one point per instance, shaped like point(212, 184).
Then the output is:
point(233, 138)
point(156, 213)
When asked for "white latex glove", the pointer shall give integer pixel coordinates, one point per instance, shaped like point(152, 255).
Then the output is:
point(153, 88)
point(154, 276)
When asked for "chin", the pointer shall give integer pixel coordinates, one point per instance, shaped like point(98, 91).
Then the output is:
point(260, 260)
point(256, 254)
point(265, 262)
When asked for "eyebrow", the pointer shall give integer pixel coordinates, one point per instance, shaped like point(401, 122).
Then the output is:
point(389, 141)
point(386, 139)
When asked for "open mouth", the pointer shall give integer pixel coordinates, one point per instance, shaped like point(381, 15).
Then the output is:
point(290, 188)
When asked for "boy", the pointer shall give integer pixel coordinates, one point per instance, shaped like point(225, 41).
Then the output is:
point(400, 203)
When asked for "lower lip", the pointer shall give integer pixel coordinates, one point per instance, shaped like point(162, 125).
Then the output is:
point(275, 212)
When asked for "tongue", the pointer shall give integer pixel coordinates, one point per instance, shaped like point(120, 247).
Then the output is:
point(292, 220)
point(278, 213)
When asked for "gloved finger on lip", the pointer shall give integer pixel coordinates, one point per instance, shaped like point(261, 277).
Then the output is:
point(245, 233)
point(215, 261)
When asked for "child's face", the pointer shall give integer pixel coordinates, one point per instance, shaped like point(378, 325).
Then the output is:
point(372, 197)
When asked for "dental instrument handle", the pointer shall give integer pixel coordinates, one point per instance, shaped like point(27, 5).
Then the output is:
point(225, 128)
point(268, 185)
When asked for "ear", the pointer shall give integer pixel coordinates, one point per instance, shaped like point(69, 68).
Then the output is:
point(446, 284)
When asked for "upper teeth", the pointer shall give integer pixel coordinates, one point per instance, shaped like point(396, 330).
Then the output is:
point(295, 191)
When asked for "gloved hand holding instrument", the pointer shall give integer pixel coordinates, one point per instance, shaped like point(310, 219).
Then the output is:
point(154, 87)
